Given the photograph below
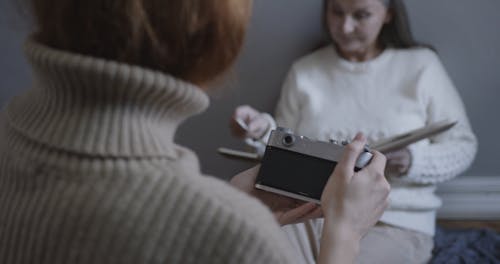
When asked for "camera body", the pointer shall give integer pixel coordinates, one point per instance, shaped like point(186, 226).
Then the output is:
point(298, 167)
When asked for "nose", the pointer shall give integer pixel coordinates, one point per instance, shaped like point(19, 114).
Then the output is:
point(348, 25)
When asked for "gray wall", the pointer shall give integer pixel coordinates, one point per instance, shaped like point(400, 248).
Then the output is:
point(466, 34)
point(14, 71)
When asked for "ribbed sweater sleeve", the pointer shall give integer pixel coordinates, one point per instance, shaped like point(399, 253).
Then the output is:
point(130, 212)
point(451, 153)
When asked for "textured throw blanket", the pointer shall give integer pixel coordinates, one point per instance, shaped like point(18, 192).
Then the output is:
point(466, 246)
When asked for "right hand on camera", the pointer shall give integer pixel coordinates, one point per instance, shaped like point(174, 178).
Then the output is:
point(256, 123)
point(354, 201)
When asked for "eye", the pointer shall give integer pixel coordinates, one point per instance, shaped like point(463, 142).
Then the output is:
point(360, 15)
point(337, 12)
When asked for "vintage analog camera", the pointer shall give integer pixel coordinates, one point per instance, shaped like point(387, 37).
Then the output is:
point(298, 167)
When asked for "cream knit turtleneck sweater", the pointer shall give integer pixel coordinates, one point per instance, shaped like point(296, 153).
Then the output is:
point(90, 173)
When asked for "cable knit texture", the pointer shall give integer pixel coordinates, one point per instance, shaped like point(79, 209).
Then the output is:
point(90, 173)
point(327, 97)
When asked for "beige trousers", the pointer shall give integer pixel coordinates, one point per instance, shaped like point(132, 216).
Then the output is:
point(383, 244)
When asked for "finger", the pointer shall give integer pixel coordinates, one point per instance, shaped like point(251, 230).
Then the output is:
point(242, 109)
point(258, 124)
point(241, 123)
point(295, 214)
point(245, 179)
point(237, 130)
point(378, 161)
point(393, 152)
point(240, 114)
point(246, 112)
point(394, 161)
point(390, 155)
point(351, 153)
point(280, 202)
point(317, 213)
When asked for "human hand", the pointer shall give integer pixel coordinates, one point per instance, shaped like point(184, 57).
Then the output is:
point(354, 201)
point(255, 122)
point(286, 210)
point(398, 162)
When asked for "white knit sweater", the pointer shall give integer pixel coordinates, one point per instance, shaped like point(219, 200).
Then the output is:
point(327, 97)
point(89, 173)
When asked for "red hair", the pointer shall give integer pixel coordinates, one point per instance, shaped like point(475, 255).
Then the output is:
point(195, 40)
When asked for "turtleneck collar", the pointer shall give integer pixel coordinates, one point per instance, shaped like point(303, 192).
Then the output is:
point(96, 107)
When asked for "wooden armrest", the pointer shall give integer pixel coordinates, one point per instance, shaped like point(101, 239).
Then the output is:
point(495, 225)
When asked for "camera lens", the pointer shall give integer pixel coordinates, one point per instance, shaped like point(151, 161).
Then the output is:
point(288, 140)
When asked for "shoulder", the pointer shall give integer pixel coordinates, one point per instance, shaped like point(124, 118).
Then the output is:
point(318, 59)
point(418, 56)
point(231, 222)
point(198, 188)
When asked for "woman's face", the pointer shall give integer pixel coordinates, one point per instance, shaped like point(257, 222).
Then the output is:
point(354, 25)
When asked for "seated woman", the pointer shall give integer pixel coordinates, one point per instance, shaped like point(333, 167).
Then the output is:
point(373, 77)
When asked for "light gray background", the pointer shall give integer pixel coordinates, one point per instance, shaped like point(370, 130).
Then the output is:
point(466, 34)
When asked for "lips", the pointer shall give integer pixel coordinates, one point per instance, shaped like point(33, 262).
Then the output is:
point(347, 42)
point(349, 39)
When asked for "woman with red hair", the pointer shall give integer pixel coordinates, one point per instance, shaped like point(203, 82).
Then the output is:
point(89, 169)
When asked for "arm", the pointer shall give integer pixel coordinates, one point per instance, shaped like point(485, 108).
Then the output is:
point(258, 125)
point(448, 154)
point(338, 245)
point(352, 203)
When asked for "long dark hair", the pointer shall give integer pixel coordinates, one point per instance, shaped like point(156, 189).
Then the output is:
point(396, 33)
